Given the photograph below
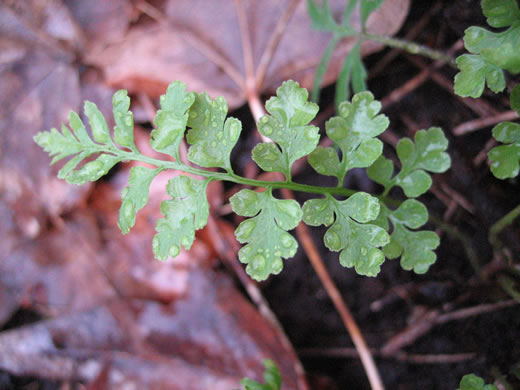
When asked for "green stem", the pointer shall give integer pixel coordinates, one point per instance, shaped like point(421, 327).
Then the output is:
point(501, 224)
point(411, 47)
point(231, 177)
point(467, 245)
point(508, 285)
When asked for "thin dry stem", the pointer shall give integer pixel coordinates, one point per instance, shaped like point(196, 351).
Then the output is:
point(345, 352)
point(274, 40)
point(480, 123)
point(410, 35)
point(246, 46)
point(433, 318)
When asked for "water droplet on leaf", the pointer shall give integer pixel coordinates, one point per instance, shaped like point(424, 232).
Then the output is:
point(276, 266)
point(287, 240)
point(310, 134)
point(186, 242)
point(258, 262)
point(332, 241)
point(245, 229)
point(268, 130)
point(174, 251)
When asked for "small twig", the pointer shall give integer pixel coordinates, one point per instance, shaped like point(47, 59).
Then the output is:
point(501, 224)
point(482, 155)
point(467, 245)
point(415, 82)
point(458, 198)
point(480, 123)
point(433, 318)
point(397, 94)
point(410, 333)
point(508, 285)
point(410, 35)
point(276, 36)
point(474, 311)
point(345, 352)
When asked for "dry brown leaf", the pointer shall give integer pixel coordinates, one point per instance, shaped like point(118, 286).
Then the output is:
point(40, 91)
point(184, 43)
point(209, 338)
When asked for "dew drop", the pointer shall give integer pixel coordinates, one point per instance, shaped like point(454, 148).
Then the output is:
point(233, 132)
point(268, 130)
point(276, 266)
point(289, 209)
point(213, 144)
point(363, 251)
point(287, 240)
point(344, 110)
point(213, 124)
point(174, 251)
point(128, 211)
point(245, 229)
point(258, 262)
point(382, 238)
point(264, 119)
point(310, 134)
point(155, 245)
point(128, 121)
point(186, 242)
point(162, 99)
point(244, 251)
point(193, 114)
point(375, 257)
point(332, 241)
point(220, 134)
point(477, 34)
